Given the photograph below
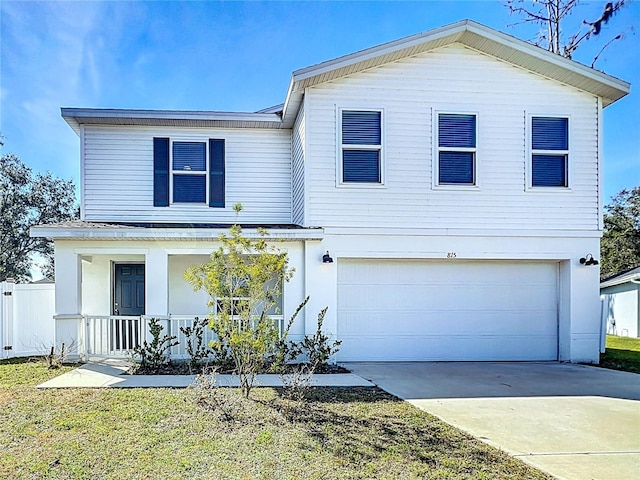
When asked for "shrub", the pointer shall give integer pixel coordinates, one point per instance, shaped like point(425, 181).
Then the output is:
point(154, 355)
point(319, 348)
point(284, 350)
point(197, 350)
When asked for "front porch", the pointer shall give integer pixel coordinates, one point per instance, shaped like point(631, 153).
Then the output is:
point(107, 290)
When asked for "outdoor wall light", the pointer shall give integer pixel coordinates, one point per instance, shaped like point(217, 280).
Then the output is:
point(588, 260)
point(326, 258)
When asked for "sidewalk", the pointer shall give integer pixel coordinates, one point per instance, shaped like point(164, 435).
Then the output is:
point(110, 374)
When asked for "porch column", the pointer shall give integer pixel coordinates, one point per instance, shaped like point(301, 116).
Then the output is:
point(69, 326)
point(157, 283)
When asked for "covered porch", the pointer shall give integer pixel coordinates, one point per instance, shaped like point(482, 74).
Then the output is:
point(108, 288)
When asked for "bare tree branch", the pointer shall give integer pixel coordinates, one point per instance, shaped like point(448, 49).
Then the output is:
point(552, 16)
point(617, 37)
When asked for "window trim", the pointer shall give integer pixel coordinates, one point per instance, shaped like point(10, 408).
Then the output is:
point(530, 152)
point(437, 149)
point(340, 147)
point(204, 172)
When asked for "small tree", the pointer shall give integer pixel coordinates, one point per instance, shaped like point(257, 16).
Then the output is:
point(244, 280)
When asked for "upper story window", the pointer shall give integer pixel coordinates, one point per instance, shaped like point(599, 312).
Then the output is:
point(456, 149)
point(361, 140)
point(549, 151)
point(188, 172)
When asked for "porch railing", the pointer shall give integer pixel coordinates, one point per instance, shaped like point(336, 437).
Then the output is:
point(117, 336)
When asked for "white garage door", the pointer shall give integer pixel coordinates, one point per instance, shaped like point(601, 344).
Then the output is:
point(447, 310)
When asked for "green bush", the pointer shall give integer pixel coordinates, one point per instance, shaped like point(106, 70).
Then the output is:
point(155, 354)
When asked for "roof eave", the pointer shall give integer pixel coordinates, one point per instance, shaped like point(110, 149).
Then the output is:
point(633, 278)
point(105, 116)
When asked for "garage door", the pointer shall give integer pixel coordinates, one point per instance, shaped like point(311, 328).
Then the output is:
point(452, 310)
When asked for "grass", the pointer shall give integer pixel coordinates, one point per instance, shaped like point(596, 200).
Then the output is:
point(622, 353)
point(164, 433)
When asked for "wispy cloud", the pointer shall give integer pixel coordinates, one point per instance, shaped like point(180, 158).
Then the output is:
point(47, 61)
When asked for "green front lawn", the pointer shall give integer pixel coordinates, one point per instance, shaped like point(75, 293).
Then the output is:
point(622, 353)
point(163, 433)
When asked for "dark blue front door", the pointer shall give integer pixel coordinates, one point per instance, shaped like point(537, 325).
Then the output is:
point(128, 298)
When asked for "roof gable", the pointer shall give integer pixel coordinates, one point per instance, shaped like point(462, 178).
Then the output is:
point(471, 34)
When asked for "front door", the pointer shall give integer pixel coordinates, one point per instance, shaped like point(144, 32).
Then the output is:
point(128, 300)
point(128, 296)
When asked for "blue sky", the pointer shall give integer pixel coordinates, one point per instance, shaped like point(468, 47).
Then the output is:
point(239, 56)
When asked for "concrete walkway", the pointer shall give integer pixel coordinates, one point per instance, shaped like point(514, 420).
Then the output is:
point(110, 374)
point(572, 421)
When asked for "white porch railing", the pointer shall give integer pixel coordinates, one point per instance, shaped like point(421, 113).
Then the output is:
point(113, 336)
point(118, 336)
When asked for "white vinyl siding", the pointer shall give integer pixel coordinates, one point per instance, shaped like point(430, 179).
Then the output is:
point(449, 79)
point(118, 175)
point(297, 170)
point(447, 310)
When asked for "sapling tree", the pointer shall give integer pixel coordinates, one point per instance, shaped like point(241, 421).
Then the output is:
point(244, 279)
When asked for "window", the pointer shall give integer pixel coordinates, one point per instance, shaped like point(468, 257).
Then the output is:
point(361, 146)
point(456, 149)
point(188, 172)
point(549, 151)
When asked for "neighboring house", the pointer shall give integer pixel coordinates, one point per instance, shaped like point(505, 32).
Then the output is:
point(620, 296)
point(453, 176)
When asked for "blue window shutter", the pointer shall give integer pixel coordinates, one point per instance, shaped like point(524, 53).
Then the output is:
point(549, 170)
point(160, 172)
point(216, 173)
point(189, 188)
point(549, 133)
point(361, 128)
point(456, 130)
point(189, 156)
point(361, 166)
point(456, 168)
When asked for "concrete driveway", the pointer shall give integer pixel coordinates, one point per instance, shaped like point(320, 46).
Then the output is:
point(572, 421)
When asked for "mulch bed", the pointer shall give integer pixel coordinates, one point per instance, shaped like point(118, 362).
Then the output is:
point(183, 368)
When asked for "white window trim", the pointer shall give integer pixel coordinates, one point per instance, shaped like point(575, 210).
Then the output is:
point(204, 172)
point(437, 149)
point(340, 147)
point(529, 187)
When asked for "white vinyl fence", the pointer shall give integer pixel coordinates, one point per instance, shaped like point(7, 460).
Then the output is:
point(27, 326)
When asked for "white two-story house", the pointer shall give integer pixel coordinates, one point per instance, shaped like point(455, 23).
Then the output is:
point(453, 177)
